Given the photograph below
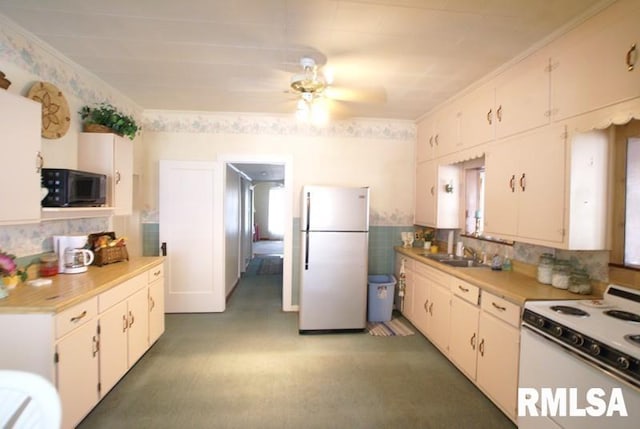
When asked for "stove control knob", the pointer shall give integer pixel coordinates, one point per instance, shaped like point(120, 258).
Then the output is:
point(577, 339)
point(623, 362)
point(539, 321)
point(594, 349)
point(557, 331)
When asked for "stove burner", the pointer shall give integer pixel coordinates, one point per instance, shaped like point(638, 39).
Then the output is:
point(568, 310)
point(623, 315)
point(633, 339)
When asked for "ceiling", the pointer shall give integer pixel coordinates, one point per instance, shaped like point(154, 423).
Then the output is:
point(239, 55)
point(261, 172)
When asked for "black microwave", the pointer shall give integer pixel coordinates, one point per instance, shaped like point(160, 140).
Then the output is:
point(73, 188)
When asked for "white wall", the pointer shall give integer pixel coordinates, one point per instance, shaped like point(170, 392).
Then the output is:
point(378, 154)
point(232, 229)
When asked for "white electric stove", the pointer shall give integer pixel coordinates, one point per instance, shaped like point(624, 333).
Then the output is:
point(583, 344)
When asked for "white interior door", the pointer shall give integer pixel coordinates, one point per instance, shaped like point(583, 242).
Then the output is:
point(191, 226)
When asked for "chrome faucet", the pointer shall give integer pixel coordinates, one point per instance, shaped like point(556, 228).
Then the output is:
point(471, 251)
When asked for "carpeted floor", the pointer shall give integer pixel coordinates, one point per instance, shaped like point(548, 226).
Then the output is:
point(249, 368)
point(270, 265)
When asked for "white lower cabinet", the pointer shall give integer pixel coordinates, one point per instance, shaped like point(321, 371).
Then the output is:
point(431, 305)
point(76, 359)
point(478, 331)
point(85, 349)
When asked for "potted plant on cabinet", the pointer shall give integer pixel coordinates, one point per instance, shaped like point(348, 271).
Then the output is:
point(105, 118)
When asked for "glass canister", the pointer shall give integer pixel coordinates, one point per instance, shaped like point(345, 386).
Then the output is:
point(545, 268)
point(561, 274)
point(580, 282)
point(48, 265)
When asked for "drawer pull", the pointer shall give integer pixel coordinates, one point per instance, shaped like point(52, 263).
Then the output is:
point(463, 289)
point(75, 319)
point(157, 273)
point(498, 307)
point(473, 341)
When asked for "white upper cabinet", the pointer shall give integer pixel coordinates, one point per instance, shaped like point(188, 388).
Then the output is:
point(424, 146)
point(437, 195)
point(111, 155)
point(522, 96)
point(598, 63)
point(525, 191)
point(20, 173)
point(515, 101)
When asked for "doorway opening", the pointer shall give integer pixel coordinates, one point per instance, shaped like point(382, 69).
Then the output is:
point(264, 218)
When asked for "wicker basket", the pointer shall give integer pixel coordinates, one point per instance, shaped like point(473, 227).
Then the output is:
point(97, 128)
point(107, 255)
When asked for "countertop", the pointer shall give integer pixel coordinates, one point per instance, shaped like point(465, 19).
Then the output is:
point(68, 290)
point(514, 286)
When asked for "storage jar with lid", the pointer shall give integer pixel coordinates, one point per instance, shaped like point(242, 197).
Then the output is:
point(580, 282)
point(545, 267)
point(561, 274)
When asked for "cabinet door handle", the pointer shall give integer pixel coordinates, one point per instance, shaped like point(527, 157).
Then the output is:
point(95, 346)
point(131, 319)
point(523, 182)
point(426, 306)
point(431, 309)
point(431, 141)
point(499, 113)
point(490, 116)
point(118, 177)
point(39, 162)
point(512, 183)
point(463, 289)
point(79, 317)
point(631, 58)
point(498, 307)
point(472, 341)
point(481, 347)
point(125, 323)
point(437, 139)
point(152, 304)
point(432, 190)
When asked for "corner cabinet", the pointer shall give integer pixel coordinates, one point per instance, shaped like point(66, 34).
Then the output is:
point(20, 131)
point(111, 155)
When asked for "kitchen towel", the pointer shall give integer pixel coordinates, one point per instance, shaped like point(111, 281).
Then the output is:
point(393, 328)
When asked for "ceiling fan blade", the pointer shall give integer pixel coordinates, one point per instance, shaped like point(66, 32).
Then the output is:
point(357, 95)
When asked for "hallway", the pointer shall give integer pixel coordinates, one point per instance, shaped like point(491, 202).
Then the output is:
point(249, 368)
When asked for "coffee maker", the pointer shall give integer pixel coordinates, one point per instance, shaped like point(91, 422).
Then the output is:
point(73, 258)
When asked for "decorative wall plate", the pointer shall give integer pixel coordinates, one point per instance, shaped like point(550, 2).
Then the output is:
point(55, 109)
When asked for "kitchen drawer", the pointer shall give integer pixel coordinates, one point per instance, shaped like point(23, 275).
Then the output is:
point(121, 292)
point(75, 316)
point(501, 308)
point(466, 291)
point(433, 274)
point(155, 273)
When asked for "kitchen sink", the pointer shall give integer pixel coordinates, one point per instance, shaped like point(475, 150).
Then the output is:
point(453, 261)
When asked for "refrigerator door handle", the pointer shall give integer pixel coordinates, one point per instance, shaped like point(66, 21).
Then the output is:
point(306, 252)
point(307, 226)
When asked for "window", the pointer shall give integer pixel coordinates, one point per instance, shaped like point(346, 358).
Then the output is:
point(626, 197)
point(276, 212)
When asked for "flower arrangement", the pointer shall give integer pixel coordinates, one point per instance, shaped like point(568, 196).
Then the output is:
point(9, 273)
point(108, 116)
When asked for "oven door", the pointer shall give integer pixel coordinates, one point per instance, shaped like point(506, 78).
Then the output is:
point(546, 364)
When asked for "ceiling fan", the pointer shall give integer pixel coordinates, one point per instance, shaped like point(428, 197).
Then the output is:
point(317, 94)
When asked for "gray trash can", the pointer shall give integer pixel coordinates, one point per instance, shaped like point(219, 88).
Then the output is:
point(381, 292)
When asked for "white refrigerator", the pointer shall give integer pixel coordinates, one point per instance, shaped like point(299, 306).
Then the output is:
point(334, 241)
